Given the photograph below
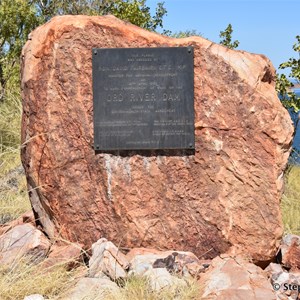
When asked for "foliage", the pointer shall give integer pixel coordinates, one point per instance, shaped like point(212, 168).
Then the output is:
point(182, 34)
point(294, 63)
point(283, 85)
point(49, 8)
point(290, 204)
point(226, 38)
point(137, 13)
point(134, 11)
point(17, 19)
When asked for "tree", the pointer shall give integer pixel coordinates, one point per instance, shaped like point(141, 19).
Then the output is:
point(134, 11)
point(49, 8)
point(288, 97)
point(226, 38)
point(17, 19)
point(283, 85)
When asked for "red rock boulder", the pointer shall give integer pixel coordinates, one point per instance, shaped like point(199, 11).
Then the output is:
point(226, 194)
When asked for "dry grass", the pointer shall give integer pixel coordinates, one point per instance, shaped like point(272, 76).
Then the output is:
point(139, 288)
point(23, 278)
point(13, 194)
point(290, 204)
point(13, 191)
point(10, 126)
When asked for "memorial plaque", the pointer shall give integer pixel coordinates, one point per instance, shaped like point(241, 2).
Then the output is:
point(143, 98)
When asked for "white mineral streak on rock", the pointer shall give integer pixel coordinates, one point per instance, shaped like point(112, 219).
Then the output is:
point(107, 158)
point(127, 167)
point(146, 163)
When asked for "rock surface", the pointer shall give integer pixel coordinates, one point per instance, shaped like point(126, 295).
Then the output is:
point(290, 251)
point(23, 240)
point(160, 278)
point(107, 259)
point(232, 278)
point(225, 194)
point(27, 217)
point(91, 288)
point(69, 255)
point(184, 264)
point(285, 284)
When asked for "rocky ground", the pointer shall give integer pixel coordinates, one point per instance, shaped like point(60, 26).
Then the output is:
point(228, 276)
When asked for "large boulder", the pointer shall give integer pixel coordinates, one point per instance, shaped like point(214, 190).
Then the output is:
point(225, 194)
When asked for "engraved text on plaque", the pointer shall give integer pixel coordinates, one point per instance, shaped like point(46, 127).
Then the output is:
point(143, 98)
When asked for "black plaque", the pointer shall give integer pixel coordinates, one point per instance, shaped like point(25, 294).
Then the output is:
point(143, 98)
